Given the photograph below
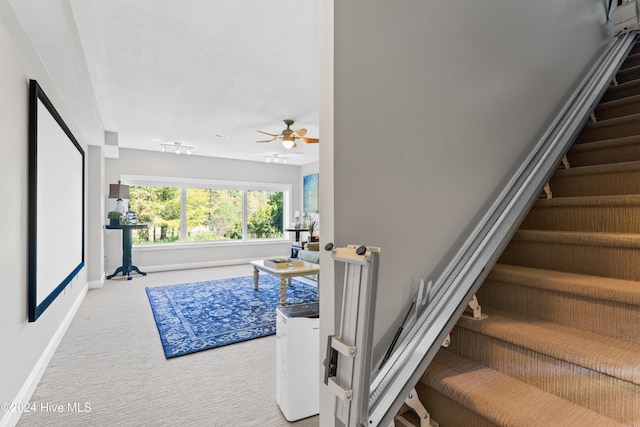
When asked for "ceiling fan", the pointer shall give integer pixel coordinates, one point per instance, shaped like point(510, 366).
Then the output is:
point(288, 136)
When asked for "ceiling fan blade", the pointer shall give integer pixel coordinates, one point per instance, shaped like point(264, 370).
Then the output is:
point(301, 132)
point(269, 140)
point(311, 140)
point(270, 134)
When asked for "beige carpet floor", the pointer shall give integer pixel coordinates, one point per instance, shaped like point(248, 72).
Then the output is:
point(112, 360)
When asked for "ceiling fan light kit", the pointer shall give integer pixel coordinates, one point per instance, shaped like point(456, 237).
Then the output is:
point(288, 136)
point(288, 142)
point(177, 148)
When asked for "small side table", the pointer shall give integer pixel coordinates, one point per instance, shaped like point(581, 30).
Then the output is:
point(297, 231)
point(297, 245)
point(127, 263)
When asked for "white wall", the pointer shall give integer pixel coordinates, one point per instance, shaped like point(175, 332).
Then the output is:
point(327, 289)
point(435, 104)
point(149, 163)
point(25, 346)
point(95, 223)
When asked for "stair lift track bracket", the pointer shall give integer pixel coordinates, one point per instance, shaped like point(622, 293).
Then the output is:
point(475, 307)
point(414, 403)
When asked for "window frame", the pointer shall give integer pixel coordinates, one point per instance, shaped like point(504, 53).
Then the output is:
point(244, 186)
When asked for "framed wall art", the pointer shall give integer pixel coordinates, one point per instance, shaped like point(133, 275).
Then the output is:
point(310, 193)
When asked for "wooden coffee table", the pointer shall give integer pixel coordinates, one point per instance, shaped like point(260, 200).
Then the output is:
point(284, 274)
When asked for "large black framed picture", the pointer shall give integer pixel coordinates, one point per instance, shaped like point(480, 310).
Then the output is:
point(56, 203)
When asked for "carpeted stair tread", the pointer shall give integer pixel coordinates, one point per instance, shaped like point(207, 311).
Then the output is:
point(615, 150)
point(609, 356)
point(502, 399)
point(609, 396)
point(590, 201)
point(635, 99)
point(600, 169)
point(602, 305)
point(617, 108)
point(605, 143)
point(616, 214)
point(632, 60)
point(447, 411)
point(593, 253)
point(611, 240)
point(612, 128)
point(629, 73)
point(597, 180)
point(611, 122)
point(602, 288)
point(622, 90)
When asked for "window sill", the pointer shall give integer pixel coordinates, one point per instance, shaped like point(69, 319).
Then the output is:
point(216, 244)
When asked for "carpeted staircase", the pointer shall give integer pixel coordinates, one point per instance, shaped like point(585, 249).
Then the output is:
point(561, 346)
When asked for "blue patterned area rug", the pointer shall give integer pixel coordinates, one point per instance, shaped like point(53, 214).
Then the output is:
point(199, 316)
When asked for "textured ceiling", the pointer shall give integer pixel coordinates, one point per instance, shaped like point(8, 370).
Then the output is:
point(206, 73)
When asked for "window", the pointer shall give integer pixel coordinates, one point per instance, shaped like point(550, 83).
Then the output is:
point(264, 214)
point(213, 214)
point(159, 207)
point(203, 211)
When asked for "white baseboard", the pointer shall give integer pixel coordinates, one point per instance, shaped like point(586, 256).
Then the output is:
point(97, 284)
point(188, 266)
point(10, 419)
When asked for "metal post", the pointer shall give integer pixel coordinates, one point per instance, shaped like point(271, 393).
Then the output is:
point(349, 353)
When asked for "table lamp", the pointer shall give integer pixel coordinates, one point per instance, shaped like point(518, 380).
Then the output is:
point(119, 191)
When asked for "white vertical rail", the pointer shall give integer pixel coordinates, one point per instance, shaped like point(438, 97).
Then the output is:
point(472, 263)
point(349, 377)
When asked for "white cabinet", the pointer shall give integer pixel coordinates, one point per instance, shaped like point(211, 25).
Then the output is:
point(297, 360)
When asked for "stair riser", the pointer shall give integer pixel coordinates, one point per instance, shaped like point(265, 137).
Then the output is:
point(446, 411)
point(604, 155)
point(612, 219)
point(628, 74)
point(621, 92)
point(598, 132)
point(630, 62)
point(613, 319)
point(601, 393)
point(613, 112)
point(607, 183)
point(615, 262)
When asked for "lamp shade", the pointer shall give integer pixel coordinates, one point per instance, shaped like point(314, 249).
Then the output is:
point(118, 191)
